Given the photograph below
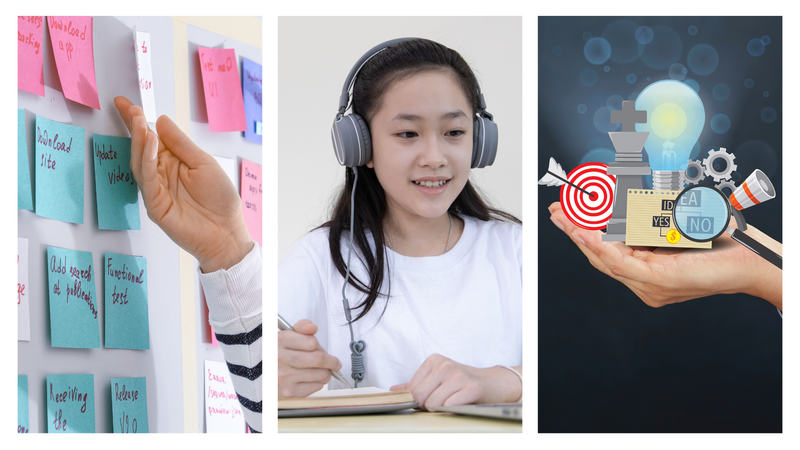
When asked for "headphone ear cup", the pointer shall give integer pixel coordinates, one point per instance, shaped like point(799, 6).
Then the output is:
point(351, 141)
point(484, 145)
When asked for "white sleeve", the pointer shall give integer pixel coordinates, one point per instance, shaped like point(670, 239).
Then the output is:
point(234, 310)
point(302, 283)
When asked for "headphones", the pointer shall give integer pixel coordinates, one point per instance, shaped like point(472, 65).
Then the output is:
point(350, 134)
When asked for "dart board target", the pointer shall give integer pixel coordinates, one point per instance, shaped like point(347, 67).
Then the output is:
point(585, 211)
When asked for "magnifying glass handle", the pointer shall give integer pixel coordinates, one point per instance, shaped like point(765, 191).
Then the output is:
point(758, 248)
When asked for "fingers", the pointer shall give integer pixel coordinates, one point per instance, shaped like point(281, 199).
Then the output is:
point(316, 359)
point(399, 387)
point(306, 327)
point(179, 143)
point(618, 258)
point(123, 104)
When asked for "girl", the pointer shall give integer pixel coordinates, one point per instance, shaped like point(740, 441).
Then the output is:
point(432, 297)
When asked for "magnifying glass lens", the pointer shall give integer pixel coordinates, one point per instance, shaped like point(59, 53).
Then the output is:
point(701, 213)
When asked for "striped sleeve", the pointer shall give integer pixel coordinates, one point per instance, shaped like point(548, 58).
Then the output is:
point(234, 310)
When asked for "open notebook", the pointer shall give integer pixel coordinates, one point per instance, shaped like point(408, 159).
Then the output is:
point(345, 398)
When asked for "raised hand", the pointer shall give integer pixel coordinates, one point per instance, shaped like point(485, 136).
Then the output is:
point(185, 191)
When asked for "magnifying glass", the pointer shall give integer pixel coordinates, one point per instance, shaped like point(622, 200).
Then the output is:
point(703, 213)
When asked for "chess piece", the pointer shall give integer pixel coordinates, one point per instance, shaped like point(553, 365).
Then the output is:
point(627, 167)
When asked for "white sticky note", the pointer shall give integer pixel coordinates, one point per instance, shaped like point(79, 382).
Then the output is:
point(229, 166)
point(23, 305)
point(223, 410)
point(144, 49)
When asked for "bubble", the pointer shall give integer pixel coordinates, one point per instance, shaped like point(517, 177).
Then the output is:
point(587, 35)
point(769, 114)
point(676, 72)
point(557, 50)
point(597, 50)
point(599, 155)
point(595, 143)
point(766, 93)
point(755, 47)
point(631, 78)
point(720, 123)
point(621, 35)
point(588, 77)
point(664, 50)
point(648, 78)
point(702, 59)
point(602, 121)
point(765, 40)
point(614, 102)
point(721, 91)
point(755, 154)
point(692, 84)
point(634, 95)
point(644, 35)
point(748, 83)
point(692, 30)
point(607, 69)
point(684, 71)
point(582, 108)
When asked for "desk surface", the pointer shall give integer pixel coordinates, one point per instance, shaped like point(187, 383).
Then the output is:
point(399, 422)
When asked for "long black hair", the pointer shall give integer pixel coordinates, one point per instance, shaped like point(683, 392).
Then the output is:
point(396, 62)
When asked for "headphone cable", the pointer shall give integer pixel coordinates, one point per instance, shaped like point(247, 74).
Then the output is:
point(356, 347)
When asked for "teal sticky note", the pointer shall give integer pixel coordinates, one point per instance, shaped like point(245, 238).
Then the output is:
point(129, 405)
point(73, 303)
point(70, 403)
point(127, 323)
point(24, 199)
point(59, 170)
point(23, 425)
point(117, 197)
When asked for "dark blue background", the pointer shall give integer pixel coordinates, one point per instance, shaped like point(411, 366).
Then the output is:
point(607, 361)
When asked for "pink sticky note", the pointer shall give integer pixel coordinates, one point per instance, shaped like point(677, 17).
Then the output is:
point(73, 48)
point(251, 198)
point(214, 342)
point(222, 88)
point(30, 59)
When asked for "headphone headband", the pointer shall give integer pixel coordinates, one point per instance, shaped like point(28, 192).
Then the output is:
point(351, 140)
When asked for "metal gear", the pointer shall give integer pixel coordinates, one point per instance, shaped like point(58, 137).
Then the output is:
point(726, 184)
point(700, 172)
point(729, 166)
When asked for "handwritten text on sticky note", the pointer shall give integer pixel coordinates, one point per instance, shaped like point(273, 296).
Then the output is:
point(73, 49)
point(222, 88)
point(23, 302)
point(24, 198)
point(70, 403)
point(73, 303)
point(223, 410)
point(251, 198)
point(117, 195)
point(30, 57)
point(251, 85)
point(59, 170)
point(144, 50)
point(127, 323)
point(129, 405)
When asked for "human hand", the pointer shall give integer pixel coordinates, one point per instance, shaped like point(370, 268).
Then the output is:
point(185, 191)
point(660, 276)
point(440, 381)
point(303, 366)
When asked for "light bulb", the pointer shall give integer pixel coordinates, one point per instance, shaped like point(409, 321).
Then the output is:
point(676, 118)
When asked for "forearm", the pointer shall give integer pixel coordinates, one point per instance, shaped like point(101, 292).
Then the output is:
point(234, 302)
point(506, 385)
point(765, 280)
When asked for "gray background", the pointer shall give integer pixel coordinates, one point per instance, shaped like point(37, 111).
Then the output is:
point(313, 62)
point(115, 68)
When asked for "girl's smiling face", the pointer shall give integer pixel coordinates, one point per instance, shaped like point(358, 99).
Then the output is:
point(422, 144)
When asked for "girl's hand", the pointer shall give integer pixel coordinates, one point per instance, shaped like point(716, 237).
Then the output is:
point(440, 381)
point(185, 191)
point(303, 366)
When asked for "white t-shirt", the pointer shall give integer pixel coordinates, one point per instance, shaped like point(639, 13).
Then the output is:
point(465, 304)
